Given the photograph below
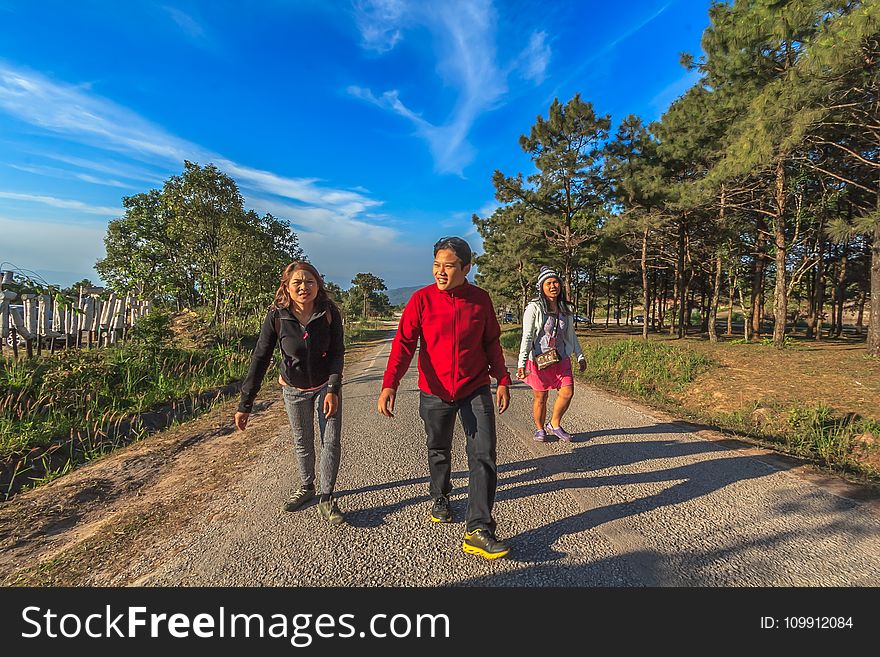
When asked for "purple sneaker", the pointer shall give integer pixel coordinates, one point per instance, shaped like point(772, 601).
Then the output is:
point(560, 433)
point(540, 435)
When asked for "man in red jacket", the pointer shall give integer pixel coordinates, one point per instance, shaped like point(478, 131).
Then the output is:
point(459, 334)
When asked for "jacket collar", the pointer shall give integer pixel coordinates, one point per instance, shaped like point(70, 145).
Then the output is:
point(458, 291)
point(284, 313)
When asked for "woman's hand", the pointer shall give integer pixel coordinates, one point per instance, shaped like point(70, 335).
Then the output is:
point(331, 403)
point(582, 364)
point(521, 373)
point(241, 420)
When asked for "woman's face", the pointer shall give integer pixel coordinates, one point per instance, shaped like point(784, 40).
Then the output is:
point(551, 288)
point(303, 287)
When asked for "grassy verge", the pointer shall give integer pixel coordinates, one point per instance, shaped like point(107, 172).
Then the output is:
point(650, 371)
point(676, 376)
point(75, 405)
point(64, 409)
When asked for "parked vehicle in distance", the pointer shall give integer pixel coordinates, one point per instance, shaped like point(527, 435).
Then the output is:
point(508, 318)
point(580, 319)
point(639, 319)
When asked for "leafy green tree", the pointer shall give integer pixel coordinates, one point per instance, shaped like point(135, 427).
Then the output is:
point(194, 242)
point(208, 218)
point(634, 173)
point(365, 286)
point(140, 256)
point(514, 249)
point(568, 189)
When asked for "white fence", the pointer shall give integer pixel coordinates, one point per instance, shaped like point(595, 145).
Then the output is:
point(42, 318)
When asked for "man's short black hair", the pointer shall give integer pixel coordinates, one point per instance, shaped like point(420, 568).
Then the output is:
point(458, 246)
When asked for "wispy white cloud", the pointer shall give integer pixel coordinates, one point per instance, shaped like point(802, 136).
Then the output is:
point(65, 204)
point(101, 181)
point(534, 60)
point(113, 168)
point(464, 37)
point(603, 50)
point(379, 23)
point(191, 28)
point(55, 172)
point(342, 223)
point(78, 115)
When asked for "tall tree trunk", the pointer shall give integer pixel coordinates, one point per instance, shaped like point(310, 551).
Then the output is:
point(608, 304)
point(646, 297)
point(860, 318)
point(731, 282)
point(716, 295)
point(780, 296)
point(662, 301)
point(819, 290)
point(742, 304)
point(840, 290)
point(758, 267)
point(617, 311)
point(874, 322)
point(818, 287)
point(679, 294)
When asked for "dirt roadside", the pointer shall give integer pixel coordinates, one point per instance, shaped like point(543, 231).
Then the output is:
point(89, 527)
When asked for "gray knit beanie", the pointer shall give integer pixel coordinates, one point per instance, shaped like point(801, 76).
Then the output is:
point(545, 273)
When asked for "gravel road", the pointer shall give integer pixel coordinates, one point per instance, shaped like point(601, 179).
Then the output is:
point(633, 501)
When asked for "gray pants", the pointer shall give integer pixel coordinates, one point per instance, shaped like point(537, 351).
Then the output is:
point(302, 409)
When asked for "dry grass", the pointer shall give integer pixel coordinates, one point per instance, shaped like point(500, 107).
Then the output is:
point(757, 389)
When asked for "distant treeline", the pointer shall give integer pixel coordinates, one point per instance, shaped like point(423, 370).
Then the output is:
point(759, 185)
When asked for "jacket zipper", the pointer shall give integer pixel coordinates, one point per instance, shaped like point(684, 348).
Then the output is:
point(454, 347)
point(305, 338)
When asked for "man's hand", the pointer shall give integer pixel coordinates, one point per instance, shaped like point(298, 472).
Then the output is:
point(331, 403)
point(386, 402)
point(241, 420)
point(503, 397)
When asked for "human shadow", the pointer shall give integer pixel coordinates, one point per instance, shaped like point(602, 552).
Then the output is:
point(662, 427)
point(375, 516)
point(689, 481)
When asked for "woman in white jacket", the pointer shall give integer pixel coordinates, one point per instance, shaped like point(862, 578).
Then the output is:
point(548, 322)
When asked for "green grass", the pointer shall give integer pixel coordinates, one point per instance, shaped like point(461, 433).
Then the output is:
point(66, 408)
point(647, 369)
point(818, 433)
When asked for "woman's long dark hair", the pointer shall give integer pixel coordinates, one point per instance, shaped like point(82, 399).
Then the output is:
point(282, 294)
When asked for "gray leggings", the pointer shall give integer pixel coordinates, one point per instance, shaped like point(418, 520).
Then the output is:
point(302, 409)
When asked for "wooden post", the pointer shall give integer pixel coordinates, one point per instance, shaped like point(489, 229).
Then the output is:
point(4, 319)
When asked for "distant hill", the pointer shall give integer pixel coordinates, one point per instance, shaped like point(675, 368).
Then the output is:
point(401, 295)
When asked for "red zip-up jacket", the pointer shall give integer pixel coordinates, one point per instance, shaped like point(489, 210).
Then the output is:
point(458, 332)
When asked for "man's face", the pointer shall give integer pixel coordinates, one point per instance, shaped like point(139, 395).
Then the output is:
point(448, 272)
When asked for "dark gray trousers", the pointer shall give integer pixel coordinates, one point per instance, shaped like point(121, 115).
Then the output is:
point(477, 414)
point(302, 409)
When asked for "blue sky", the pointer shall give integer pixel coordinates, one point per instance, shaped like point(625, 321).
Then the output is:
point(373, 126)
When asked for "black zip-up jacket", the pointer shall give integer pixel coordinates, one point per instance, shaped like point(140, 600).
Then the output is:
point(311, 356)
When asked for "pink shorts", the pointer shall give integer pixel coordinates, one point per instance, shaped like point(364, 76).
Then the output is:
point(551, 378)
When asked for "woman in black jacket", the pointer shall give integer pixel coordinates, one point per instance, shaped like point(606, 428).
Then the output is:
point(307, 326)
